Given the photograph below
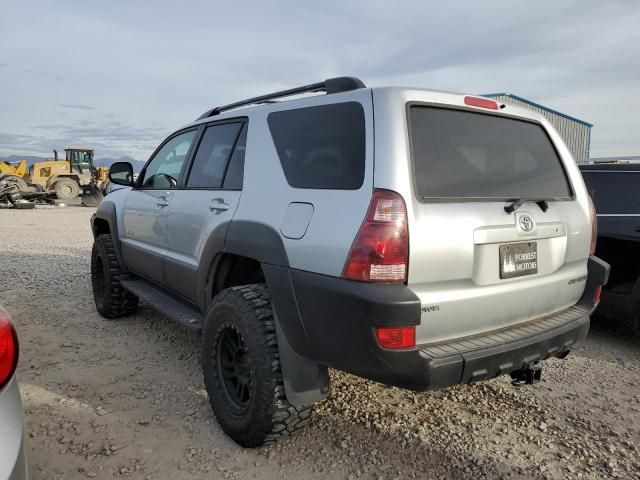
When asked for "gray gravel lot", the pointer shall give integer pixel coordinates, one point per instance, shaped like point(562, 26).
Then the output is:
point(122, 398)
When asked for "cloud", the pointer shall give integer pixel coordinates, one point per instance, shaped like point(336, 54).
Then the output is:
point(36, 72)
point(578, 57)
point(79, 107)
point(111, 139)
point(13, 141)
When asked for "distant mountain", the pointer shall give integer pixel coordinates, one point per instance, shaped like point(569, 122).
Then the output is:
point(106, 161)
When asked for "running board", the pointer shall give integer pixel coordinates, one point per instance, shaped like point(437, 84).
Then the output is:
point(165, 303)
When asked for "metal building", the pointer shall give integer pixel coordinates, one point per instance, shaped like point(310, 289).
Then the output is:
point(576, 133)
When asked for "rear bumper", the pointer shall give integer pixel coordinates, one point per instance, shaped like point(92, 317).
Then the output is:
point(331, 321)
point(468, 361)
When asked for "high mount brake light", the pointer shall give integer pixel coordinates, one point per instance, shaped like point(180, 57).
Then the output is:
point(380, 251)
point(481, 102)
point(8, 350)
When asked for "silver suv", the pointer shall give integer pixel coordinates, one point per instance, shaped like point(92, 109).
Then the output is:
point(417, 238)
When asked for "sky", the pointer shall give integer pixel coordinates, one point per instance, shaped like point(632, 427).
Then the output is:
point(121, 75)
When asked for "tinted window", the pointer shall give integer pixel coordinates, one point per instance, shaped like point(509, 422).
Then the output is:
point(614, 192)
point(164, 168)
point(235, 170)
point(321, 147)
point(474, 155)
point(211, 158)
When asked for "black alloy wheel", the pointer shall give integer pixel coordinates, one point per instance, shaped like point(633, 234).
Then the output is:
point(234, 367)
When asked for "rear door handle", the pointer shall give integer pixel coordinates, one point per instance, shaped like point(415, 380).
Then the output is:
point(218, 205)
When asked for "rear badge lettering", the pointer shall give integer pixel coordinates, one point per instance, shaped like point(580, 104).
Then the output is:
point(430, 308)
point(577, 280)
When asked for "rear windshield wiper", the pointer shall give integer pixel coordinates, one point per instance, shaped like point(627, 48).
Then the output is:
point(516, 204)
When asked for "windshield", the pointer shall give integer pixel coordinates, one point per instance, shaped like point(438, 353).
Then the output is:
point(462, 154)
point(80, 156)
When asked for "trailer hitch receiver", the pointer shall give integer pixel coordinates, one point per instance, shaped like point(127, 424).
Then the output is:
point(529, 375)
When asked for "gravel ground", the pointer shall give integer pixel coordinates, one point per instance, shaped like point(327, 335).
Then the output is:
point(125, 398)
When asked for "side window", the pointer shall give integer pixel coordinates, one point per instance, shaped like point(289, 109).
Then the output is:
point(235, 170)
point(164, 168)
point(211, 158)
point(322, 146)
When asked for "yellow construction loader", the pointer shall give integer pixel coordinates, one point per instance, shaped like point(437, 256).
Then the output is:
point(15, 173)
point(69, 178)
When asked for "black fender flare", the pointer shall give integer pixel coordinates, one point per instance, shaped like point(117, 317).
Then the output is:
point(107, 212)
point(212, 251)
point(305, 381)
point(254, 240)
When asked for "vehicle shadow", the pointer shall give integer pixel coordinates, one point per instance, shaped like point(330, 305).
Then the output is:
point(622, 326)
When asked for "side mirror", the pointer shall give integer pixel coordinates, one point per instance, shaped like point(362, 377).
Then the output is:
point(121, 173)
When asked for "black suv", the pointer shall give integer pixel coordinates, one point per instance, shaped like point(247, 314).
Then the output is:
point(615, 190)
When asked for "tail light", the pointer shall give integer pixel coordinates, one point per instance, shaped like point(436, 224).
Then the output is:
point(594, 227)
point(380, 251)
point(396, 337)
point(596, 294)
point(8, 349)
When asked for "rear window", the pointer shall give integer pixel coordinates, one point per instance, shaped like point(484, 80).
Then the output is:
point(614, 192)
point(460, 154)
point(321, 147)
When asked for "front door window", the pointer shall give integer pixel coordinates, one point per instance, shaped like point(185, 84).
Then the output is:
point(163, 171)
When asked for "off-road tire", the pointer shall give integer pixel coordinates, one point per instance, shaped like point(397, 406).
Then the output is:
point(15, 180)
point(66, 189)
point(246, 311)
point(111, 298)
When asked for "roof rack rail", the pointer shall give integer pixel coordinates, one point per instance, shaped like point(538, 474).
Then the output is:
point(331, 85)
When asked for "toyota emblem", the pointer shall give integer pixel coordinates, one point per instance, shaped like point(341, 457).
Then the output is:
point(527, 223)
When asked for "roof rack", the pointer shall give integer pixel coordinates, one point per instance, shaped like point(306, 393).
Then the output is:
point(331, 85)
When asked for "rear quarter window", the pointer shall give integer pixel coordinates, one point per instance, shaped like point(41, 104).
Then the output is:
point(321, 147)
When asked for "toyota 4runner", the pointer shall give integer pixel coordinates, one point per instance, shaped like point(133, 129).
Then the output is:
point(417, 238)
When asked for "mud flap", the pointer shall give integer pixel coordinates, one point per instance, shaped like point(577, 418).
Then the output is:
point(305, 382)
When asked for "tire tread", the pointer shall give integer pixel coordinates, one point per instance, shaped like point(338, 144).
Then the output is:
point(275, 417)
point(117, 301)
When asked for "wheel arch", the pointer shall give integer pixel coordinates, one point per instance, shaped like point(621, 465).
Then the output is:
point(104, 221)
point(255, 242)
point(254, 252)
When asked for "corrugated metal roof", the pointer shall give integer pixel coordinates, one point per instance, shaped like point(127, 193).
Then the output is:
point(547, 109)
point(630, 158)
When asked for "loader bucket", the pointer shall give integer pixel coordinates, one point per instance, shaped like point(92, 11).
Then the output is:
point(91, 195)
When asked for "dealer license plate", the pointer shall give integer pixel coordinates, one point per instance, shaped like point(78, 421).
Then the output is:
point(518, 259)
